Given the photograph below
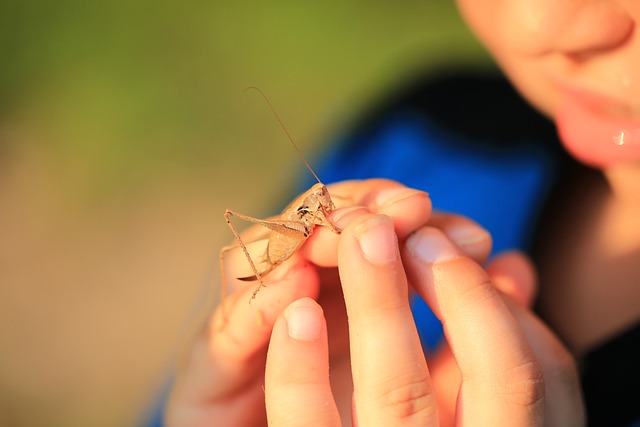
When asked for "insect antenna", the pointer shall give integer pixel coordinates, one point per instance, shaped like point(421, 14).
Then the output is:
point(285, 130)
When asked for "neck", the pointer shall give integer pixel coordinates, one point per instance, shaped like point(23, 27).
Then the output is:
point(621, 228)
point(624, 181)
point(591, 264)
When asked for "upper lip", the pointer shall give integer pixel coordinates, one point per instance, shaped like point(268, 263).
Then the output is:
point(610, 105)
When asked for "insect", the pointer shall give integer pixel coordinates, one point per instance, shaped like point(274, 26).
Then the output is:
point(288, 231)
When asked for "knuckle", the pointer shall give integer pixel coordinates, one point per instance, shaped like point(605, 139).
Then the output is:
point(415, 399)
point(562, 370)
point(525, 385)
point(478, 292)
point(466, 281)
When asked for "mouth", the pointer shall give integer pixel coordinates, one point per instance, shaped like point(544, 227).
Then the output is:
point(598, 129)
point(604, 105)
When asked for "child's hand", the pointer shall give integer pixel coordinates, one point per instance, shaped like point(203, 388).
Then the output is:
point(504, 366)
point(222, 379)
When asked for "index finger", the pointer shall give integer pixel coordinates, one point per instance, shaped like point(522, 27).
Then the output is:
point(408, 208)
point(390, 375)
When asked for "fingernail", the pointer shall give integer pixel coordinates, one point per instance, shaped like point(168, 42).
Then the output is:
point(431, 246)
point(467, 234)
point(377, 240)
point(304, 320)
point(392, 195)
point(339, 216)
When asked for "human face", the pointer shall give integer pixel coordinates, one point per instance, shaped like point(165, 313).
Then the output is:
point(577, 61)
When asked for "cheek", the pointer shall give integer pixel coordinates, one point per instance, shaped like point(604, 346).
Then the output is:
point(512, 31)
point(531, 79)
point(526, 26)
point(479, 14)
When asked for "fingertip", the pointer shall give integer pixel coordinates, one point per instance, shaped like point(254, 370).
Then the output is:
point(428, 247)
point(305, 320)
point(387, 197)
point(469, 236)
point(297, 387)
point(408, 208)
point(342, 217)
point(471, 239)
point(377, 240)
point(321, 247)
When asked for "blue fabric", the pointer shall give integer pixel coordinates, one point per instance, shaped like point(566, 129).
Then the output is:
point(501, 187)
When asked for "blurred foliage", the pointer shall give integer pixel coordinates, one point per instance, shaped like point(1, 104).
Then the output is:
point(119, 92)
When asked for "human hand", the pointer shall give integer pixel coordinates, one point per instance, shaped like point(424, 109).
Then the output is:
point(504, 367)
point(222, 378)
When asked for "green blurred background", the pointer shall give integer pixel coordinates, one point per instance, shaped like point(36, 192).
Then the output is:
point(125, 132)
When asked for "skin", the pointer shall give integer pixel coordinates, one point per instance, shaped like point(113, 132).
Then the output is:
point(589, 272)
point(341, 303)
point(391, 244)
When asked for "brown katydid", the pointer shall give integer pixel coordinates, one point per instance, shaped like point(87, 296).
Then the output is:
point(288, 231)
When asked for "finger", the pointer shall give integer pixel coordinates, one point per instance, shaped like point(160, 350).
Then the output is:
point(222, 379)
point(471, 238)
point(251, 318)
point(322, 247)
point(513, 274)
point(390, 375)
point(445, 376)
point(502, 382)
point(563, 397)
point(230, 353)
point(297, 389)
point(408, 208)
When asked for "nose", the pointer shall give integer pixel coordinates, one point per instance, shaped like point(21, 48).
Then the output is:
point(579, 28)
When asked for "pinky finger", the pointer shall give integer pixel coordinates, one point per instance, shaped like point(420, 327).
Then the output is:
point(297, 375)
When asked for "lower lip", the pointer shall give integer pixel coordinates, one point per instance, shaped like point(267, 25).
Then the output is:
point(593, 136)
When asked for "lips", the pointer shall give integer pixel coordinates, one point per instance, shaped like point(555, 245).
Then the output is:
point(598, 130)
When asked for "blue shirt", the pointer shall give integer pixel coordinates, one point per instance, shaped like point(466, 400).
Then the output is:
point(500, 183)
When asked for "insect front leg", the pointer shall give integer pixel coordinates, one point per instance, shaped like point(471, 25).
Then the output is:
point(322, 218)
